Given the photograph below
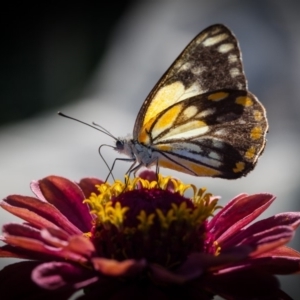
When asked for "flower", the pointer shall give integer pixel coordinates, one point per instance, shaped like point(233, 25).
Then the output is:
point(144, 238)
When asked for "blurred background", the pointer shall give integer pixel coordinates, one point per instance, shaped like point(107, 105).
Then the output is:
point(97, 61)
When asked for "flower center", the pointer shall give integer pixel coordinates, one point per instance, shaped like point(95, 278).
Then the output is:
point(151, 220)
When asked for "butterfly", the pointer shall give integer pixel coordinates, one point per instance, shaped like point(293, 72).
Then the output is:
point(200, 118)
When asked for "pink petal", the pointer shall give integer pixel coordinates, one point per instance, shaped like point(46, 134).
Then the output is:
point(214, 221)
point(196, 265)
point(16, 283)
point(35, 188)
point(243, 284)
point(285, 219)
point(68, 198)
point(269, 239)
point(283, 251)
point(57, 275)
point(55, 237)
point(28, 244)
point(9, 251)
point(38, 213)
point(277, 265)
point(21, 230)
point(148, 175)
point(237, 214)
point(81, 245)
point(110, 267)
point(88, 186)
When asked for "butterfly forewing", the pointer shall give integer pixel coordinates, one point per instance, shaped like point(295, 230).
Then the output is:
point(200, 118)
point(212, 61)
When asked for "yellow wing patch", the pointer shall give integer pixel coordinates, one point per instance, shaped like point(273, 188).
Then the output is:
point(161, 100)
point(239, 167)
point(256, 133)
point(188, 167)
point(250, 153)
point(218, 96)
point(244, 101)
point(167, 120)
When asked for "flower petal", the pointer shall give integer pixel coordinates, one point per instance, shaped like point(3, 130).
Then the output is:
point(16, 283)
point(243, 284)
point(58, 275)
point(269, 239)
point(237, 214)
point(68, 198)
point(277, 265)
point(110, 267)
point(88, 186)
point(283, 251)
point(197, 264)
point(38, 213)
point(15, 252)
point(285, 219)
point(29, 244)
point(21, 230)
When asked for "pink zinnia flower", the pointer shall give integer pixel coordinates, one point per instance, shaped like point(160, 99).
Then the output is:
point(143, 239)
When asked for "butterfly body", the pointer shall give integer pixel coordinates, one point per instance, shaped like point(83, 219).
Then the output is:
point(200, 118)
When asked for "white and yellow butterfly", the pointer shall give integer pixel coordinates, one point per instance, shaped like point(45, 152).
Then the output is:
point(200, 119)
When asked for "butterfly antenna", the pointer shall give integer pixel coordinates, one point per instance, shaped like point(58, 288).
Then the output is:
point(101, 129)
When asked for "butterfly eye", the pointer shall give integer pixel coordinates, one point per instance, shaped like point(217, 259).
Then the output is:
point(119, 145)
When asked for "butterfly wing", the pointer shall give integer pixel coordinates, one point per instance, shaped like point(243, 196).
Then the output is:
point(211, 61)
point(199, 118)
point(217, 134)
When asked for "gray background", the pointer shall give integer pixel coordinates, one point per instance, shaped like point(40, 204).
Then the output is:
point(145, 41)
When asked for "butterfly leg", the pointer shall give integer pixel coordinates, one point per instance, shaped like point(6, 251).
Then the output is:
point(133, 169)
point(157, 169)
point(113, 165)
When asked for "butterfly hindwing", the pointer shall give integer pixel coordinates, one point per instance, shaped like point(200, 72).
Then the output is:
point(212, 61)
point(220, 133)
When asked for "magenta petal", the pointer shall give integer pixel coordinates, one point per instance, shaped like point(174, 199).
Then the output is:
point(269, 239)
point(38, 213)
point(88, 186)
point(15, 252)
point(197, 264)
point(29, 244)
point(127, 268)
point(147, 174)
point(244, 284)
point(35, 188)
point(284, 219)
point(283, 251)
point(58, 275)
point(277, 265)
point(81, 245)
point(237, 214)
point(68, 198)
point(16, 283)
point(21, 230)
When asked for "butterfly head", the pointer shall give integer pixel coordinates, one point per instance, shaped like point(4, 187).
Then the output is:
point(124, 146)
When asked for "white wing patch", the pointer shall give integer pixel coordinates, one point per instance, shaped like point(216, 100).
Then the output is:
point(224, 48)
point(215, 39)
point(212, 162)
point(234, 72)
point(192, 91)
point(185, 131)
point(205, 113)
